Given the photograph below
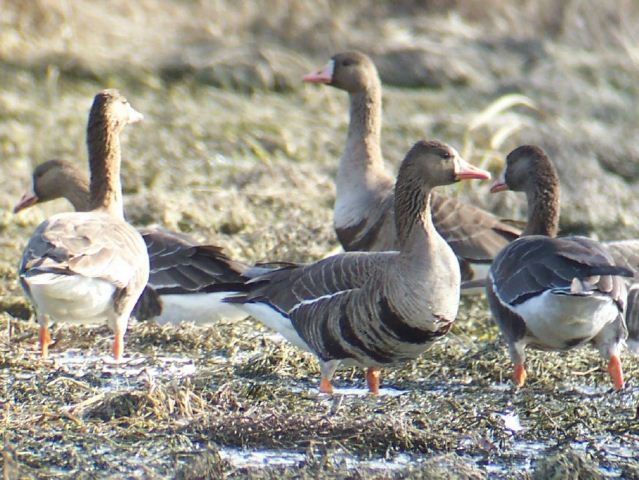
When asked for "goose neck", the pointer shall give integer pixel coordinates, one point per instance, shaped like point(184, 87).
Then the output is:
point(543, 210)
point(104, 163)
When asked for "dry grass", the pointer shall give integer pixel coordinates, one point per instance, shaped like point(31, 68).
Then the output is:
point(250, 166)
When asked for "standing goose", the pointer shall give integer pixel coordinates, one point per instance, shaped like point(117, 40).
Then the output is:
point(90, 267)
point(373, 309)
point(185, 278)
point(363, 212)
point(553, 293)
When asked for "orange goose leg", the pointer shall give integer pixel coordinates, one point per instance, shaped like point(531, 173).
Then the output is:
point(519, 374)
point(45, 341)
point(118, 346)
point(615, 371)
point(372, 379)
point(325, 386)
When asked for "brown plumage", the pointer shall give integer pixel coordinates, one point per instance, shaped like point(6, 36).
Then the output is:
point(185, 277)
point(90, 267)
point(553, 293)
point(373, 309)
point(363, 214)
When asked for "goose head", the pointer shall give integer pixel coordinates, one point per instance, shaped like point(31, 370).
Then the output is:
point(350, 71)
point(112, 111)
point(51, 180)
point(432, 163)
point(529, 170)
point(526, 168)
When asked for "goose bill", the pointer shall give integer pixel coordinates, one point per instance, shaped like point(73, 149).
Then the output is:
point(28, 199)
point(466, 171)
point(325, 75)
point(498, 186)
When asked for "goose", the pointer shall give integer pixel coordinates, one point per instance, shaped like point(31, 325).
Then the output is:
point(90, 267)
point(373, 309)
point(553, 293)
point(363, 211)
point(186, 278)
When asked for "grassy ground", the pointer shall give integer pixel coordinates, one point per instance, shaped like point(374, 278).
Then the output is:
point(245, 157)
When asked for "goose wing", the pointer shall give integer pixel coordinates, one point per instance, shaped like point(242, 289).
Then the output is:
point(93, 245)
point(179, 265)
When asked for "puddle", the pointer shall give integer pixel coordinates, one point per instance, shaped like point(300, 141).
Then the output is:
point(352, 391)
point(511, 421)
point(128, 373)
point(361, 392)
point(261, 458)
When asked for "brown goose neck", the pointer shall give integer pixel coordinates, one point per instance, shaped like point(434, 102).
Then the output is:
point(543, 209)
point(78, 193)
point(413, 218)
point(364, 129)
point(104, 163)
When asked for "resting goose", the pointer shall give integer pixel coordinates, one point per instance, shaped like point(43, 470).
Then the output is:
point(90, 267)
point(553, 293)
point(185, 278)
point(363, 212)
point(373, 309)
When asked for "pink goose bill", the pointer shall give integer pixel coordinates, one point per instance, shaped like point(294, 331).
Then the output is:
point(28, 199)
point(325, 75)
point(466, 171)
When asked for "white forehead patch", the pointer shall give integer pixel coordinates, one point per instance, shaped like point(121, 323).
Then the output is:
point(330, 68)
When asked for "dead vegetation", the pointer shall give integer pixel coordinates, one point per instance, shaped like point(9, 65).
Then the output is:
point(236, 151)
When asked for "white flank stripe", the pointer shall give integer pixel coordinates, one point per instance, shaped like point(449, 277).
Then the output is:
point(313, 300)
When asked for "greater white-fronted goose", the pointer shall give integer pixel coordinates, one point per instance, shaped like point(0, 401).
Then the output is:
point(373, 309)
point(363, 213)
point(185, 280)
point(90, 267)
point(553, 293)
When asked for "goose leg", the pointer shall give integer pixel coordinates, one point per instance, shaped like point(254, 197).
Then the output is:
point(519, 374)
point(372, 379)
point(44, 339)
point(119, 330)
point(616, 372)
point(327, 370)
point(325, 386)
point(609, 341)
point(518, 356)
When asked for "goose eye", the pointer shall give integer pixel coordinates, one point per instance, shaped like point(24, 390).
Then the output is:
point(347, 63)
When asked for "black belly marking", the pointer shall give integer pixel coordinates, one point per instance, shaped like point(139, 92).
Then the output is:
point(332, 350)
point(396, 326)
point(350, 336)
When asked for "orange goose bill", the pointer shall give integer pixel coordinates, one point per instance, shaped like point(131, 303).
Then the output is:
point(554, 293)
point(90, 267)
point(353, 308)
point(185, 279)
point(363, 212)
